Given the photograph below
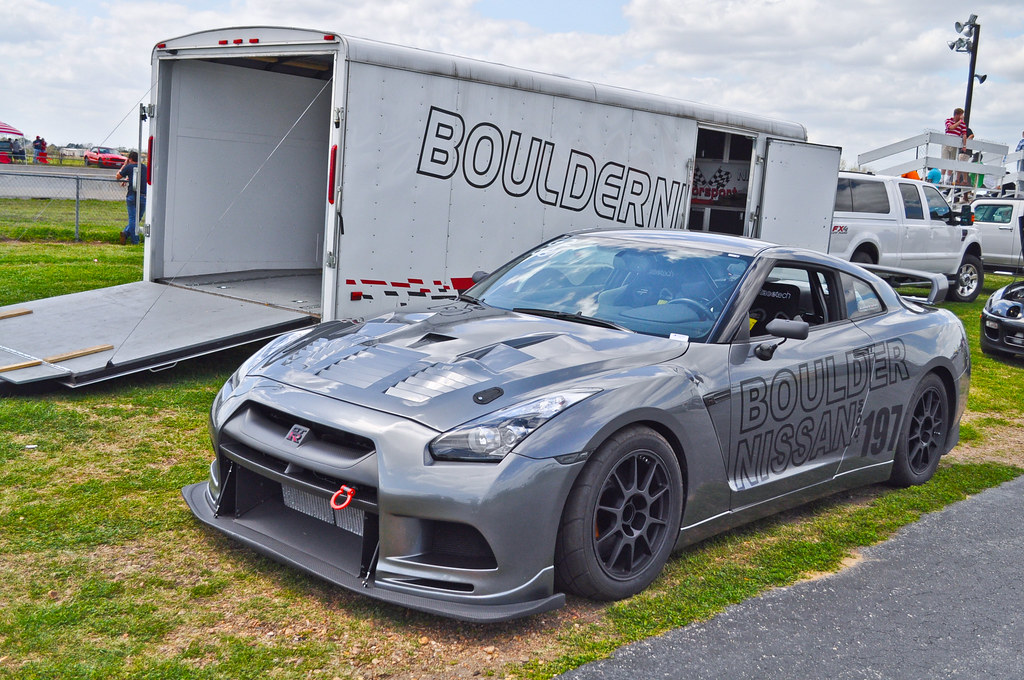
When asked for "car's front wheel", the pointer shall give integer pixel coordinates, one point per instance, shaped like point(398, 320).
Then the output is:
point(924, 433)
point(622, 517)
point(969, 279)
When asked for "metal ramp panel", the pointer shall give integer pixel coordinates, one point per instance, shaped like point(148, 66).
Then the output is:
point(94, 335)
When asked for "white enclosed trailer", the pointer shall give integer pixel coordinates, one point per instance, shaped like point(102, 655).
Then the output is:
point(300, 175)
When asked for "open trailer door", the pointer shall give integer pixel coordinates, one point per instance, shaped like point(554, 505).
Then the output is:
point(799, 194)
point(94, 335)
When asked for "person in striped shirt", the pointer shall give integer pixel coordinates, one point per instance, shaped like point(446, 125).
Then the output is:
point(954, 126)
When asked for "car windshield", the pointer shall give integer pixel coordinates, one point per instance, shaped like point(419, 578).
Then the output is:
point(654, 287)
point(101, 149)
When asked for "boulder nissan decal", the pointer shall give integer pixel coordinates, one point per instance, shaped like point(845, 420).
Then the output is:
point(570, 181)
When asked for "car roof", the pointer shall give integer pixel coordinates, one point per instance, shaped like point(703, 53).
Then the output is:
point(734, 244)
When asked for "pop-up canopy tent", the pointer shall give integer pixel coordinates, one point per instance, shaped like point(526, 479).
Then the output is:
point(6, 129)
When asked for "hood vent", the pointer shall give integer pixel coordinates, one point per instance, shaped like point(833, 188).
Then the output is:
point(431, 382)
point(430, 339)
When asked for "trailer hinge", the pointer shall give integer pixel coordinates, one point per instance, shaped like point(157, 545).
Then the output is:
point(759, 160)
point(331, 261)
point(338, 113)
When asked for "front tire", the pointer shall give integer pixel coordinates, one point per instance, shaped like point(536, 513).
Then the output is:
point(622, 517)
point(970, 277)
point(925, 430)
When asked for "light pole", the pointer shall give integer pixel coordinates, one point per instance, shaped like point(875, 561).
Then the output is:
point(970, 35)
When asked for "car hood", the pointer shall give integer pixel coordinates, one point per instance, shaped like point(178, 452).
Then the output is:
point(429, 367)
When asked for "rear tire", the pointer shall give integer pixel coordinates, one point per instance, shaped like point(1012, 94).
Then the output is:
point(925, 431)
point(622, 517)
point(970, 277)
point(860, 257)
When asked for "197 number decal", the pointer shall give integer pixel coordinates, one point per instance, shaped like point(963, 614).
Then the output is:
point(881, 429)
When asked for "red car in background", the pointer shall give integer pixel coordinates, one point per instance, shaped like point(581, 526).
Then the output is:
point(104, 157)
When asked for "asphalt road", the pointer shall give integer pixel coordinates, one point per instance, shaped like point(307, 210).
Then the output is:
point(944, 598)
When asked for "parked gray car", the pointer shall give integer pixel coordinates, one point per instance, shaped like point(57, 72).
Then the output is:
point(578, 414)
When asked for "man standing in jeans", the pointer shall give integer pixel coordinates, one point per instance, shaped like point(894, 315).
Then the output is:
point(954, 126)
point(128, 177)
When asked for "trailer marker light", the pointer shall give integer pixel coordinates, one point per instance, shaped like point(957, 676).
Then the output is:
point(330, 179)
point(253, 41)
point(149, 162)
point(222, 42)
point(328, 37)
point(160, 46)
point(237, 41)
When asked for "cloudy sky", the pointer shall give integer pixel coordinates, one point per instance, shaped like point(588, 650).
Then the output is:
point(857, 73)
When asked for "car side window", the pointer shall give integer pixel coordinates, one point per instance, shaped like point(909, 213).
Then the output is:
point(912, 207)
point(861, 195)
point(860, 297)
point(791, 292)
point(938, 209)
point(997, 214)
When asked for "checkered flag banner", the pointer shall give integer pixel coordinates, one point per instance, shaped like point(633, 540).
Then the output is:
point(720, 179)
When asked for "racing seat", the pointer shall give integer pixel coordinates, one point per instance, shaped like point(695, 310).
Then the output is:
point(774, 301)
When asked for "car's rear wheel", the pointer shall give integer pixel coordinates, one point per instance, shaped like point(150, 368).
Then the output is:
point(622, 517)
point(969, 279)
point(924, 434)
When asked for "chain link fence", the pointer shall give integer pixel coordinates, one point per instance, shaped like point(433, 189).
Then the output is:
point(48, 205)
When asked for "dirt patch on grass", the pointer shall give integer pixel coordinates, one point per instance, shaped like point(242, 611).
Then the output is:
point(998, 443)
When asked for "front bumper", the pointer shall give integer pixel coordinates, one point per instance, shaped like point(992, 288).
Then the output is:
point(1001, 335)
point(471, 541)
point(306, 546)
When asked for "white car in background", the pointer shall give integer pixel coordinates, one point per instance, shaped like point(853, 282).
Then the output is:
point(999, 222)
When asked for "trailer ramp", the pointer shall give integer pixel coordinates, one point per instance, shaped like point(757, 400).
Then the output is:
point(95, 335)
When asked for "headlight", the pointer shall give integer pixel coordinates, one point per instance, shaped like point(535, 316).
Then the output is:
point(491, 437)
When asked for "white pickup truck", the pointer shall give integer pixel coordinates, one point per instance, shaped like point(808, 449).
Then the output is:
point(904, 223)
point(999, 222)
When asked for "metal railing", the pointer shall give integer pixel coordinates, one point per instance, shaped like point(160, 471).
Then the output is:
point(926, 150)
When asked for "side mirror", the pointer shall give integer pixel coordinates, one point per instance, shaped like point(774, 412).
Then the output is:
point(786, 329)
point(966, 216)
point(479, 276)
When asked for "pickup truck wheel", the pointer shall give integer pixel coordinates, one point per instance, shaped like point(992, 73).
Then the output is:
point(860, 257)
point(970, 276)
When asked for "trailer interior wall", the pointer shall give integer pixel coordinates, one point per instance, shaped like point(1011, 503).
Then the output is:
point(247, 153)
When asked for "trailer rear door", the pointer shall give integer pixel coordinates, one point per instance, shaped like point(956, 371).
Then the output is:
point(799, 194)
point(94, 335)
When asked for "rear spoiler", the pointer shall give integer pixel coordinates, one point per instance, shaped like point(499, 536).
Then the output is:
point(896, 277)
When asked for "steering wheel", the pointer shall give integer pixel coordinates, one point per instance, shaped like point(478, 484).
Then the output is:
point(703, 313)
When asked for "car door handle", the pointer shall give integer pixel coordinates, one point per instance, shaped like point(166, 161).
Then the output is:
point(1006, 228)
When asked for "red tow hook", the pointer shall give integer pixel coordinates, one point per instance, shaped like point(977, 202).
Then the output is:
point(346, 491)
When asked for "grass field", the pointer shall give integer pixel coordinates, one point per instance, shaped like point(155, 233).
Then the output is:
point(54, 220)
point(105, 574)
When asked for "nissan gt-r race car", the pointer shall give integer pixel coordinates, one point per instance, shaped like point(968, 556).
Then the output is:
point(575, 416)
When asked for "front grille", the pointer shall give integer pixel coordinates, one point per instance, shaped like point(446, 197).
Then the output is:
point(350, 519)
point(351, 445)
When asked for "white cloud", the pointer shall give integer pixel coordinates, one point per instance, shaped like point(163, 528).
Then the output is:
point(858, 74)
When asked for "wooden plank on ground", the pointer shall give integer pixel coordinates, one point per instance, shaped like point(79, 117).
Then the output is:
point(11, 313)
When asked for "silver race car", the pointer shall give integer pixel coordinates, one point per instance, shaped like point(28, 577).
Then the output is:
point(578, 414)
